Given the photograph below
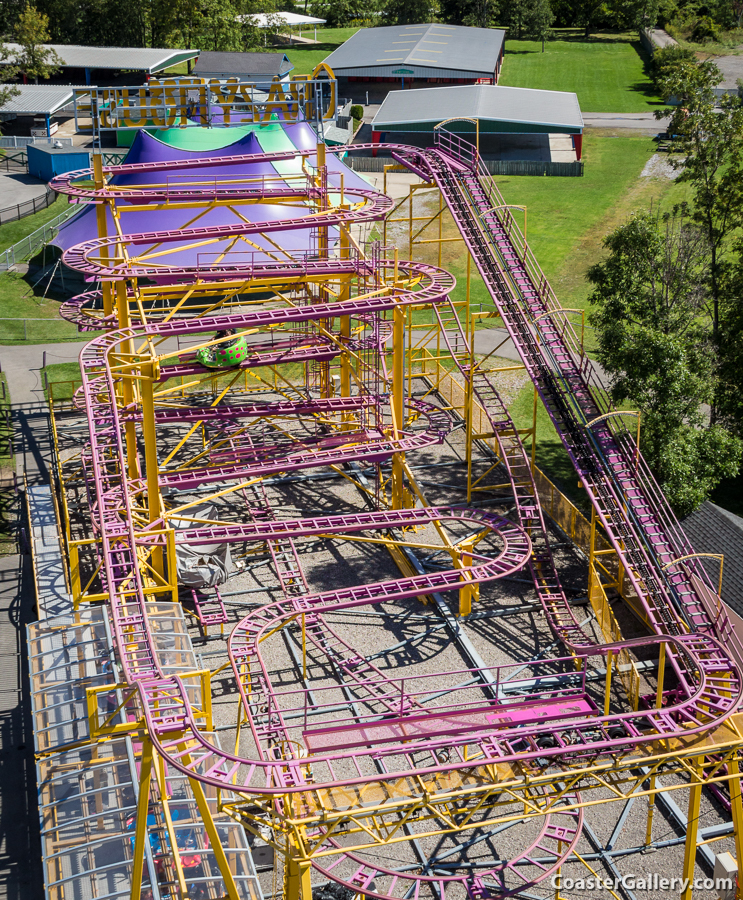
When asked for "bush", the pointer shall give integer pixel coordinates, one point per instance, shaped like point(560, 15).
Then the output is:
point(664, 61)
point(357, 111)
point(705, 30)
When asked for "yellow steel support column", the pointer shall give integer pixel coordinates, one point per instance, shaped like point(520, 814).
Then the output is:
point(297, 879)
point(154, 504)
point(140, 835)
point(469, 387)
point(398, 389)
point(737, 807)
point(216, 844)
point(323, 246)
point(101, 217)
point(322, 233)
point(345, 328)
point(128, 394)
point(441, 217)
point(607, 683)
point(469, 591)
point(692, 825)
point(651, 812)
point(169, 827)
point(534, 431)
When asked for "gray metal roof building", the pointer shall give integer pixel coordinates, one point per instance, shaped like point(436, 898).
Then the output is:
point(712, 529)
point(141, 59)
point(499, 110)
point(447, 52)
point(39, 99)
point(245, 66)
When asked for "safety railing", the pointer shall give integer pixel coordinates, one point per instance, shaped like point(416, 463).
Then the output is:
point(456, 146)
point(14, 141)
point(625, 665)
point(558, 319)
point(27, 207)
point(36, 240)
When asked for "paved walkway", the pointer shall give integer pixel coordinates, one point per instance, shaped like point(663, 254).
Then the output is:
point(637, 121)
point(22, 369)
point(20, 846)
point(16, 187)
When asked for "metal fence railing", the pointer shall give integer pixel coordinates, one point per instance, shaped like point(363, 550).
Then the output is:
point(533, 167)
point(37, 331)
point(112, 157)
point(13, 141)
point(494, 166)
point(26, 247)
point(14, 160)
point(28, 207)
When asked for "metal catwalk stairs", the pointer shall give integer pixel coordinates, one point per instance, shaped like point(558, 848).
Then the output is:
point(629, 504)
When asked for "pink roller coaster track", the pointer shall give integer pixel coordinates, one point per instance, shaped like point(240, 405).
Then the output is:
point(554, 721)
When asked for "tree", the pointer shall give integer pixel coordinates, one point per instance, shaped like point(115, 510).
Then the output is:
point(32, 32)
point(665, 60)
point(210, 24)
point(7, 71)
point(589, 14)
point(710, 143)
point(653, 325)
point(528, 18)
point(632, 15)
point(475, 13)
point(408, 12)
point(541, 21)
point(339, 12)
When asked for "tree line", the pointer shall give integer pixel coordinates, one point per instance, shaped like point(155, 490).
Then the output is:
point(668, 299)
point(226, 24)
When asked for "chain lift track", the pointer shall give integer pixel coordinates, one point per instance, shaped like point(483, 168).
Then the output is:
point(536, 739)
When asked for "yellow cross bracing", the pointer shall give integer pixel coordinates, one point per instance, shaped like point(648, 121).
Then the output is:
point(304, 825)
point(374, 813)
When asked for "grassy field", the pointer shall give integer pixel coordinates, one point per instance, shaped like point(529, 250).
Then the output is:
point(306, 56)
point(606, 72)
point(21, 299)
point(567, 218)
point(14, 231)
point(66, 377)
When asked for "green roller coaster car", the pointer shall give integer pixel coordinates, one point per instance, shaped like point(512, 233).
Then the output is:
point(224, 355)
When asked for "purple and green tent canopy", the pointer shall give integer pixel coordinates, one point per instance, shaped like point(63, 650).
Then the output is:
point(254, 139)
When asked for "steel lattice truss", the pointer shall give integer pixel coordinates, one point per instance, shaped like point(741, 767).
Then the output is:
point(401, 763)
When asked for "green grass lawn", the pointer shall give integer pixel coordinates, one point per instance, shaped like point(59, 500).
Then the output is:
point(19, 300)
point(22, 299)
point(306, 56)
point(66, 377)
point(14, 231)
point(567, 218)
point(606, 72)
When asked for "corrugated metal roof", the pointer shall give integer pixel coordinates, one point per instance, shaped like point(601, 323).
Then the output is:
point(214, 63)
point(144, 59)
point(39, 99)
point(437, 46)
point(712, 529)
point(557, 109)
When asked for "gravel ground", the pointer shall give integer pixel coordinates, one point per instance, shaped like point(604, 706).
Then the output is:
point(410, 639)
point(659, 166)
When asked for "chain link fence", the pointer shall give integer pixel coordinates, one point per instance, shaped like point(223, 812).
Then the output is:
point(33, 242)
point(28, 207)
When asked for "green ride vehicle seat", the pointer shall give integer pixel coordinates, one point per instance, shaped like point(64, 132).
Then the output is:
point(231, 352)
